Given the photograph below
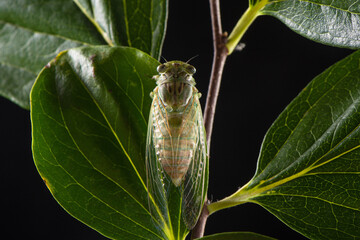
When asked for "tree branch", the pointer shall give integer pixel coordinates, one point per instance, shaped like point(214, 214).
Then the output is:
point(199, 229)
point(220, 55)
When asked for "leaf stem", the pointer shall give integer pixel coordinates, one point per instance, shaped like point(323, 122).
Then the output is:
point(239, 197)
point(243, 24)
point(244, 195)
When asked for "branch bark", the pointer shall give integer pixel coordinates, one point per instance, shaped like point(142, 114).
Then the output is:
point(220, 55)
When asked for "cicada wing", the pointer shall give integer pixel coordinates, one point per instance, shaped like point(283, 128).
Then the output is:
point(196, 178)
point(157, 198)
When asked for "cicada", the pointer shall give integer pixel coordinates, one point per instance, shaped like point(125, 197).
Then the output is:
point(176, 152)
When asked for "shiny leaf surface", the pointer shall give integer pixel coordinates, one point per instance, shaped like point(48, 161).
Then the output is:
point(308, 172)
point(33, 32)
point(138, 24)
point(89, 118)
point(334, 23)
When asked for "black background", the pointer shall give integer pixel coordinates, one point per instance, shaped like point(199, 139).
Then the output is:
point(257, 84)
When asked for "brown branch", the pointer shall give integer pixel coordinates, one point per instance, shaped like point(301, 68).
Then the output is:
point(199, 228)
point(220, 55)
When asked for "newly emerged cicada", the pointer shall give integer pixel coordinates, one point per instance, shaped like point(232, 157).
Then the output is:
point(176, 155)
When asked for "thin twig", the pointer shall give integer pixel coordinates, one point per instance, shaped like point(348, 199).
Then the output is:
point(220, 55)
point(199, 228)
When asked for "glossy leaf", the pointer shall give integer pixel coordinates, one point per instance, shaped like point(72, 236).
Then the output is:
point(236, 236)
point(138, 24)
point(33, 32)
point(335, 23)
point(89, 118)
point(308, 172)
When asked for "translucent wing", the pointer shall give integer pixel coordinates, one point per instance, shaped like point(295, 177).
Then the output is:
point(155, 178)
point(176, 158)
point(195, 182)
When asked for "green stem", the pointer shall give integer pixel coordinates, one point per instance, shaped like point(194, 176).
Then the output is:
point(243, 24)
point(244, 195)
point(239, 197)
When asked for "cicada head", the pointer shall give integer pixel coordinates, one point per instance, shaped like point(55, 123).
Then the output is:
point(175, 83)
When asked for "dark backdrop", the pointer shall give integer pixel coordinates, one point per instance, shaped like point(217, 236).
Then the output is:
point(258, 83)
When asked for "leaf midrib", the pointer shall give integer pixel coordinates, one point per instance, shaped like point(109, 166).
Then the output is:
point(126, 20)
point(306, 171)
point(67, 129)
point(94, 22)
point(87, 190)
point(115, 135)
point(314, 165)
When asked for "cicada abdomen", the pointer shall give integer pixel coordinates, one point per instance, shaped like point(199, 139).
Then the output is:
point(176, 144)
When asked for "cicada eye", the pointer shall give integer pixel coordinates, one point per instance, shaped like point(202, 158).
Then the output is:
point(190, 70)
point(161, 68)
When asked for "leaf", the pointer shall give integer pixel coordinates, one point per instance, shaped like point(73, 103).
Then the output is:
point(236, 236)
point(138, 24)
point(308, 172)
point(89, 120)
point(335, 23)
point(33, 32)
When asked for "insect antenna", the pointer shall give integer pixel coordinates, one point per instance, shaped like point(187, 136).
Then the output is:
point(164, 59)
point(192, 58)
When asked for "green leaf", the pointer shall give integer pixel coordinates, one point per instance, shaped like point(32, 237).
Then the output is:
point(236, 236)
point(335, 23)
point(33, 32)
point(138, 24)
point(308, 172)
point(89, 120)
